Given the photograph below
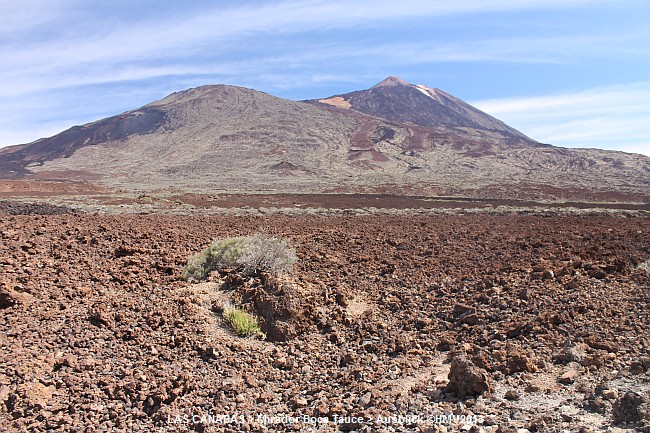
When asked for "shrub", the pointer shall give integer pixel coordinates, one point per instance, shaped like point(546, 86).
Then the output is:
point(247, 255)
point(242, 322)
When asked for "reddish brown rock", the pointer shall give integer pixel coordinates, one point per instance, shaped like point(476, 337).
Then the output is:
point(466, 379)
point(570, 374)
point(520, 362)
point(122, 342)
point(602, 344)
point(10, 298)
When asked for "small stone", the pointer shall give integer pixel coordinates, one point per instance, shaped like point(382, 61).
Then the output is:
point(300, 401)
point(545, 274)
point(595, 359)
point(636, 368)
point(520, 362)
point(512, 394)
point(460, 309)
point(533, 387)
point(610, 394)
point(4, 393)
point(280, 362)
point(599, 343)
point(9, 298)
point(365, 400)
point(598, 405)
point(446, 342)
point(251, 381)
point(469, 318)
point(598, 274)
point(645, 362)
point(38, 394)
point(569, 376)
point(322, 409)
point(575, 352)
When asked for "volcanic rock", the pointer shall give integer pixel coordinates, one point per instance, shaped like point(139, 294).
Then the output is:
point(466, 379)
point(631, 407)
point(119, 342)
point(570, 374)
point(278, 303)
point(572, 352)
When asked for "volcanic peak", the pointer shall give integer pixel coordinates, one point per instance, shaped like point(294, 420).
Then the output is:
point(391, 81)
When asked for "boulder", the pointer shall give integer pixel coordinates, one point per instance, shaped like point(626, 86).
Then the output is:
point(631, 407)
point(466, 379)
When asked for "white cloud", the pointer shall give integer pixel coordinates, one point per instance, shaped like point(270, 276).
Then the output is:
point(124, 48)
point(50, 51)
point(25, 15)
point(612, 117)
point(521, 49)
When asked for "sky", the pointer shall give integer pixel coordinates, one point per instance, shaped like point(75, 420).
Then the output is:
point(573, 73)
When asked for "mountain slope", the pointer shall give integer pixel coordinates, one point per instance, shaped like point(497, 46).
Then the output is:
point(397, 100)
point(15, 160)
point(394, 137)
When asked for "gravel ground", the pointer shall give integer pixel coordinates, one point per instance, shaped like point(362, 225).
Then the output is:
point(388, 323)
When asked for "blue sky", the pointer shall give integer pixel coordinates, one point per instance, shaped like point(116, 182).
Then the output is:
point(572, 73)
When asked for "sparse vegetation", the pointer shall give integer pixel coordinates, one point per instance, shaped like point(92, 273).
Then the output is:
point(246, 255)
point(645, 266)
point(242, 322)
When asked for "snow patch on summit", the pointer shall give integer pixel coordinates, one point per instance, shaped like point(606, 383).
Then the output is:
point(426, 90)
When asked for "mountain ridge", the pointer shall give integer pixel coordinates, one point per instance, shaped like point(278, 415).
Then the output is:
point(394, 137)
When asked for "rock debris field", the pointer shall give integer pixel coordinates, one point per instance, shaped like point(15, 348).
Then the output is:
point(480, 323)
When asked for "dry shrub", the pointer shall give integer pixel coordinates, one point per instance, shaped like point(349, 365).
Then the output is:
point(246, 255)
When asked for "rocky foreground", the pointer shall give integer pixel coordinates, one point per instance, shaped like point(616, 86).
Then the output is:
point(440, 323)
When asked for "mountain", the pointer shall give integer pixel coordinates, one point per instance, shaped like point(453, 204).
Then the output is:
point(394, 137)
point(399, 101)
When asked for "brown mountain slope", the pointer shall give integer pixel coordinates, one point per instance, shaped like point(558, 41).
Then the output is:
point(397, 100)
point(15, 160)
point(393, 138)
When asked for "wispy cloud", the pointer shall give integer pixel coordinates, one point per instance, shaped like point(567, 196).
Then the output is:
point(127, 48)
point(614, 116)
point(508, 50)
point(68, 61)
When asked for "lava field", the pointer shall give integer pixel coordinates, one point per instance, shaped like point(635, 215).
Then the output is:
point(481, 323)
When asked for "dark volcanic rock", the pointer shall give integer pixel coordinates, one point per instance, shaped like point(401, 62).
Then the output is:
point(631, 407)
point(20, 208)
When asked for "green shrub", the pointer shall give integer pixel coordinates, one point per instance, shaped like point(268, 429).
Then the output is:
point(246, 255)
point(242, 322)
